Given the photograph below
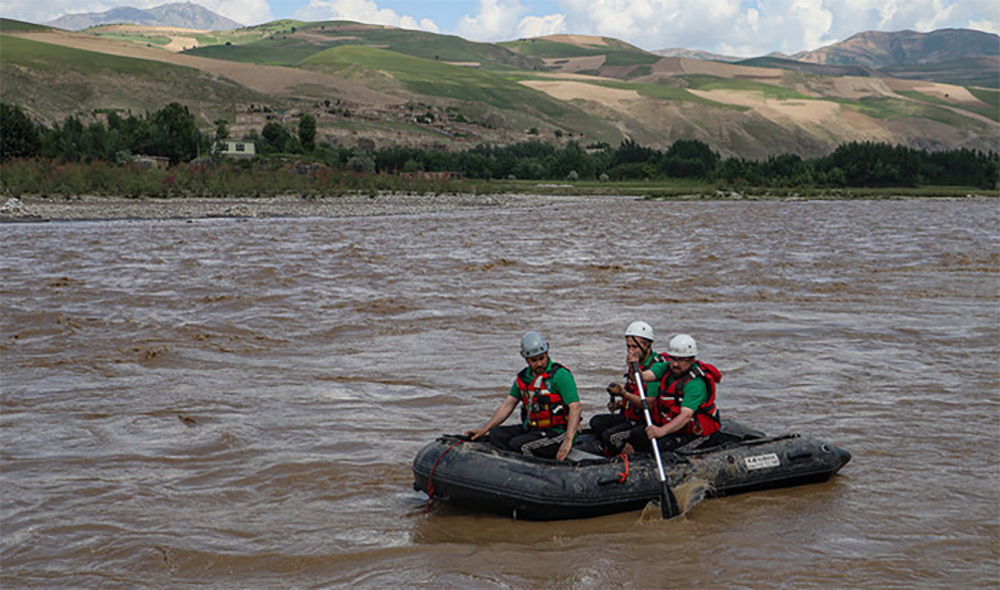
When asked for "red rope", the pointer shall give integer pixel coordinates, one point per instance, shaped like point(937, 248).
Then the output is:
point(430, 478)
point(623, 476)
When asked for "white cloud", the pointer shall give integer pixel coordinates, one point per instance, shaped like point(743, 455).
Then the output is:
point(757, 27)
point(733, 27)
point(246, 12)
point(496, 20)
point(984, 25)
point(654, 24)
point(366, 11)
point(539, 26)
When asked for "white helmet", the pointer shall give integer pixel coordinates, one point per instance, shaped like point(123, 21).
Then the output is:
point(640, 330)
point(682, 345)
point(532, 344)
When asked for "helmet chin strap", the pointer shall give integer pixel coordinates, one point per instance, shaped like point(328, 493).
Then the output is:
point(639, 343)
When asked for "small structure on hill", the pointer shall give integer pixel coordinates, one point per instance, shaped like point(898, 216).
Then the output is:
point(157, 162)
point(236, 149)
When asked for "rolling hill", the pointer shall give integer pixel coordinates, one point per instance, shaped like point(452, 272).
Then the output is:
point(401, 87)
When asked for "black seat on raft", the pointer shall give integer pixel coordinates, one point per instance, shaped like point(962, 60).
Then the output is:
point(731, 433)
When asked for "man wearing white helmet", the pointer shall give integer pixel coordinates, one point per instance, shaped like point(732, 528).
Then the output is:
point(685, 404)
point(615, 428)
point(550, 414)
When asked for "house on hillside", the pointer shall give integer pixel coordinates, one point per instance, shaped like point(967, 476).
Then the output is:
point(157, 162)
point(236, 149)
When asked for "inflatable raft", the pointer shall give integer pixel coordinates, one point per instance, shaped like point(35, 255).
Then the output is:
point(475, 475)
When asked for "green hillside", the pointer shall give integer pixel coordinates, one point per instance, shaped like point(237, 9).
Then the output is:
point(413, 88)
point(295, 43)
point(12, 26)
point(55, 79)
point(615, 53)
point(431, 78)
point(805, 67)
point(980, 71)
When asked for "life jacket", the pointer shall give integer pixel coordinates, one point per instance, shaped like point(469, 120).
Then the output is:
point(634, 411)
point(668, 404)
point(541, 407)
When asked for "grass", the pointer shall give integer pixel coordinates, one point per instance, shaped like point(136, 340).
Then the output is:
point(136, 38)
point(989, 111)
point(439, 79)
point(8, 25)
point(769, 91)
point(890, 109)
point(45, 56)
point(545, 49)
point(52, 78)
point(289, 47)
point(279, 176)
point(522, 106)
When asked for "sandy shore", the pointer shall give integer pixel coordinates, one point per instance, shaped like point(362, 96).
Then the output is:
point(89, 208)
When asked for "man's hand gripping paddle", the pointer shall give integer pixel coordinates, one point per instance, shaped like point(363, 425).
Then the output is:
point(668, 503)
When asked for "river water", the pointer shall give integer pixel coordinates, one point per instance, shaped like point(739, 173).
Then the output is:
point(236, 403)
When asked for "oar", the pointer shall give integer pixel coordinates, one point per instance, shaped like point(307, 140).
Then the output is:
point(668, 503)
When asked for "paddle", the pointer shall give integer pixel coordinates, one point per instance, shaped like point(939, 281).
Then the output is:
point(668, 503)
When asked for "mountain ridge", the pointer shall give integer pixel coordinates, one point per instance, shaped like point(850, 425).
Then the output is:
point(185, 15)
point(403, 87)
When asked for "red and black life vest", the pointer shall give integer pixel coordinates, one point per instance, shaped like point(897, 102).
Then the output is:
point(634, 411)
point(542, 408)
point(668, 404)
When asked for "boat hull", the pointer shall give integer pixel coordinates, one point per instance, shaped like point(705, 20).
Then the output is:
point(475, 475)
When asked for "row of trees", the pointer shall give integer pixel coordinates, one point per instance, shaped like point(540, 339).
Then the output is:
point(172, 132)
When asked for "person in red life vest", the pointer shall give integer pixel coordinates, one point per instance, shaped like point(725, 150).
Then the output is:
point(614, 428)
point(685, 405)
point(551, 410)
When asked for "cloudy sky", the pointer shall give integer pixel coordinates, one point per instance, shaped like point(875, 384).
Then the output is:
point(731, 27)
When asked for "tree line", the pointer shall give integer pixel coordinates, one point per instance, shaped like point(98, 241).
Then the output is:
point(172, 133)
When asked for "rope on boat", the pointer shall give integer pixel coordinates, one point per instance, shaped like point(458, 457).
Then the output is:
point(623, 476)
point(430, 478)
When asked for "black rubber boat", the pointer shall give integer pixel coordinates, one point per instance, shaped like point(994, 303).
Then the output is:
point(475, 475)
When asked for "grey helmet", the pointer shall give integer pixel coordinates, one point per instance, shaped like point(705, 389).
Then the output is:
point(532, 344)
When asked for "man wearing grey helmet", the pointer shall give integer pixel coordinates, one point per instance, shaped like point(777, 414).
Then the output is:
point(551, 410)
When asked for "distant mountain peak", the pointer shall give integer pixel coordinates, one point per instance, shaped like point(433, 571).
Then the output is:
point(880, 49)
point(187, 15)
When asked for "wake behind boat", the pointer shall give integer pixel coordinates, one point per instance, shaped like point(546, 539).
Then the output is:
point(475, 475)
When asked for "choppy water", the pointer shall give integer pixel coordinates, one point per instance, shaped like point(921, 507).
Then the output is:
point(233, 403)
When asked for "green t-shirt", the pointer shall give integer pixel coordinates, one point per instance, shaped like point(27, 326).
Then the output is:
point(562, 383)
point(695, 390)
point(659, 369)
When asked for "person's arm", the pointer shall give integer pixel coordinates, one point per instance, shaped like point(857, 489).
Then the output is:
point(679, 421)
point(695, 394)
point(635, 399)
point(575, 411)
point(501, 414)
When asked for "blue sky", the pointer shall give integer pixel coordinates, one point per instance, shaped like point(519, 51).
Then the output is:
point(731, 27)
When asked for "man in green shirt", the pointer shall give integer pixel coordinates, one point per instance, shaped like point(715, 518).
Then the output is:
point(550, 415)
point(615, 428)
point(685, 406)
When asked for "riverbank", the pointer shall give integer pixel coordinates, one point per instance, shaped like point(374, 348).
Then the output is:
point(82, 208)
point(30, 209)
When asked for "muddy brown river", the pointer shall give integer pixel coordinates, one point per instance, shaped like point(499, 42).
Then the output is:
point(236, 403)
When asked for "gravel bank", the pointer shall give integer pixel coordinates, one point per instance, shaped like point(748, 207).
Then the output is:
point(90, 208)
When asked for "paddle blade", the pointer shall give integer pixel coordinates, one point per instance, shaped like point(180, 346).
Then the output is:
point(668, 503)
